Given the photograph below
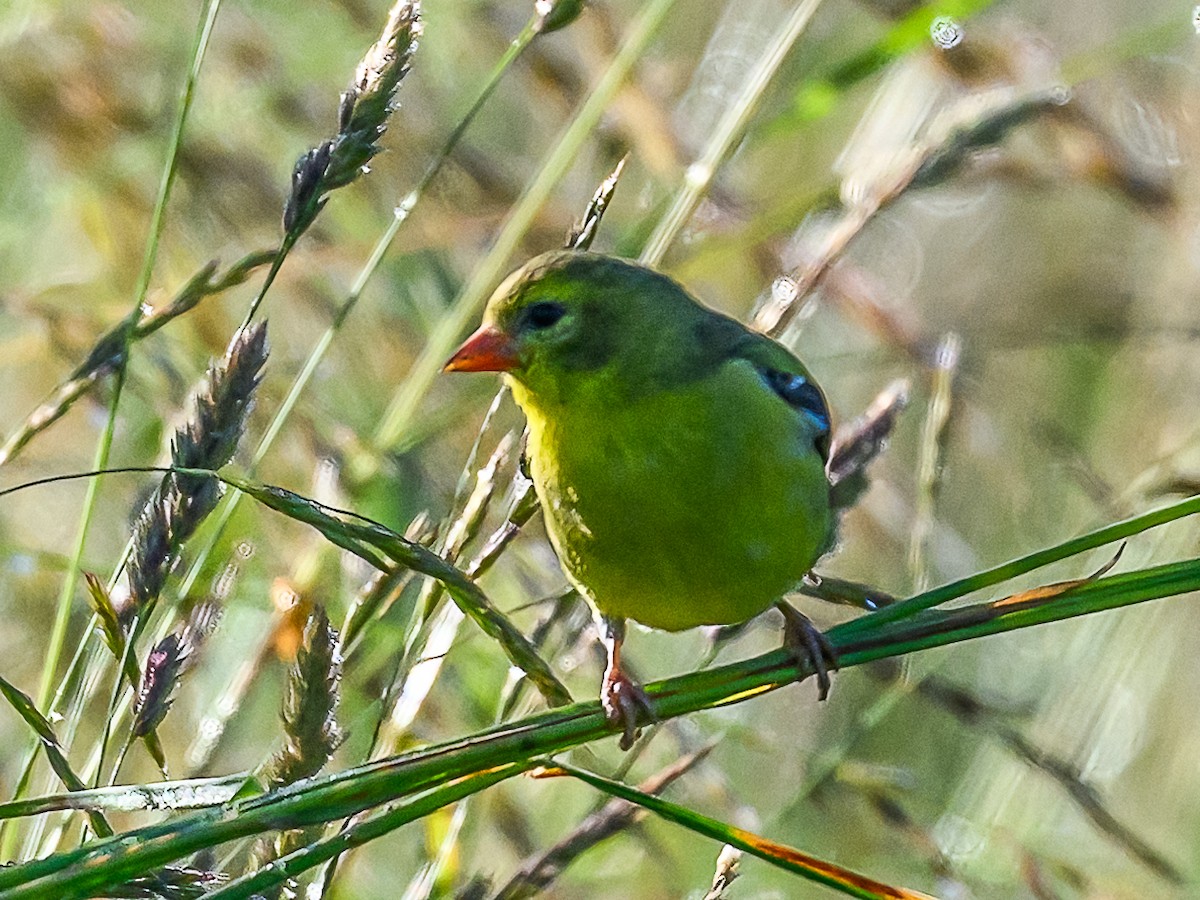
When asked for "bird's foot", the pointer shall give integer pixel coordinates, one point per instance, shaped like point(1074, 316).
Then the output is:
point(809, 646)
point(625, 702)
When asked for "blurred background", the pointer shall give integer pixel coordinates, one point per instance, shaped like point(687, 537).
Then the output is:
point(994, 201)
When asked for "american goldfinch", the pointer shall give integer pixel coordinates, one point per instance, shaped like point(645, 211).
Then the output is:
point(678, 455)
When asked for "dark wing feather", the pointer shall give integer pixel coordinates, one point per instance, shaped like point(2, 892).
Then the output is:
point(804, 396)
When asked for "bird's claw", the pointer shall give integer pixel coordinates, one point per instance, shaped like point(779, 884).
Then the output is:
point(809, 646)
point(625, 703)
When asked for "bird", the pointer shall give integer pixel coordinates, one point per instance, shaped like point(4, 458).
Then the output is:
point(679, 456)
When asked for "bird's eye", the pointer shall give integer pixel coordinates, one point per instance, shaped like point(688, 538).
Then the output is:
point(544, 314)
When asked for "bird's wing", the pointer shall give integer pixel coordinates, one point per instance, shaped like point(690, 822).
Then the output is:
point(784, 374)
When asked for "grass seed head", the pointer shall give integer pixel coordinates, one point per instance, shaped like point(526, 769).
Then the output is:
point(556, 14)
point(362, 119)
point(311, 732)
point(206, 441)
point(166, 664)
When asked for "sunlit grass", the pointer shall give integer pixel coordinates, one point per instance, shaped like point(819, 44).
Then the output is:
point(974, 197)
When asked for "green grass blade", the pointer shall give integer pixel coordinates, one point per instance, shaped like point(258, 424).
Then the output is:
point(113, 861)
point(192, 793)
point(465, 593)
point(356, 835)
point(1023, 565)
point(937, 628)
point(787, 858)
point(24, 706)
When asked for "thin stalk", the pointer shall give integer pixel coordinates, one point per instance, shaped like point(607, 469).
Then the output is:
point(726, 136)
point(285, 248)
point(933, 438)
point(62, 614)
point(113, 700)
point(58, 635)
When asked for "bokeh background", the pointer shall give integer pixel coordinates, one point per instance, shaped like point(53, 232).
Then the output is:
point(1038, 291)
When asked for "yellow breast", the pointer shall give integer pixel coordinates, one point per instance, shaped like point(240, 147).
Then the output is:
point(683, 507)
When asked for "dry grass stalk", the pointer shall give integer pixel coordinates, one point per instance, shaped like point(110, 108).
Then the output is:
point(582, 234)
point(540, 871)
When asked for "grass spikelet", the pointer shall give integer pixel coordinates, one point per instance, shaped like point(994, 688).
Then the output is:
point(106, 611)
point(208, 441)
point(555, 14)
point(365, 108)
point(311, 732)
point(310, 727)
point(362, 120)
point(166, 664)
point(584, 231)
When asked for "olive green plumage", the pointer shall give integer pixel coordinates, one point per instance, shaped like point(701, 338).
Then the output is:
point(679, 456)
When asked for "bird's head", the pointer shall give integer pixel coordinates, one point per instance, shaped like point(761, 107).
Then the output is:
point(570, 314)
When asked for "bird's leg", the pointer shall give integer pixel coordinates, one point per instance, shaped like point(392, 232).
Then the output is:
point(808, 645)
point(623, 699)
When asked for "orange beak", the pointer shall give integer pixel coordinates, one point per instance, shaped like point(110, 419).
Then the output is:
point(488, 350)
